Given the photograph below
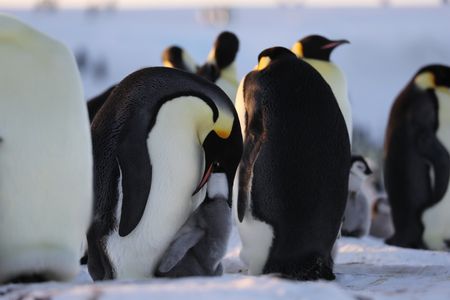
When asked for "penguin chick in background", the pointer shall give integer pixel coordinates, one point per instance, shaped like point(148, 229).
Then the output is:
point(201, 243)
point(357, 210)
point(381, 225)
point(316, 50)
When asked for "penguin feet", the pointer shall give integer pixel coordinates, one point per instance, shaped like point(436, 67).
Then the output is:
point(308, 270)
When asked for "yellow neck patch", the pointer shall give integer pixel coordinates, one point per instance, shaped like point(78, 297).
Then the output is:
point(263, 63)
point(425, 80)
point(298, 49)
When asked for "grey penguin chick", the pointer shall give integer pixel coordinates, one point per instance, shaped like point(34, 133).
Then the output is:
point(201, 243)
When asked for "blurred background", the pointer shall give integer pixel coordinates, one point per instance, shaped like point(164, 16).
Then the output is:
point(390, 40)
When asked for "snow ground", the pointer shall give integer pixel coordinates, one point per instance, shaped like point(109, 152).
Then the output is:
point(366, 269)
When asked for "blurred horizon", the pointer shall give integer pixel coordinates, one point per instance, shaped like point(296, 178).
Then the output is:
point(174, 4)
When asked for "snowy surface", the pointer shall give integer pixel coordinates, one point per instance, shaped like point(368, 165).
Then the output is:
point(366, 269)
point(387, 45)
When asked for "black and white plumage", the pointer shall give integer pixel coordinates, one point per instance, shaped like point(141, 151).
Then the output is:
point(417, 161)
point(316, 50)
point(155, 141)
point(293, 177)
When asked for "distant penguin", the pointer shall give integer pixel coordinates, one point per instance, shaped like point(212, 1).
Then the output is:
point(293, 176)
point(155, 141)
point(178, 58)
point(96, 103)
point(381, 225)
point(220, 66)
point(45, 157)
point(417, 161)
point(357, 215)
point(201, 243)
point(316, 51)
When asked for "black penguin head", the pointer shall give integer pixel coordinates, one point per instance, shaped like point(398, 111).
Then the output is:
point(433, 77)
point(176, 57)
point(221, 56)
point(270, 55)
point(223, 148)
point(316, 47)
point(360, 165)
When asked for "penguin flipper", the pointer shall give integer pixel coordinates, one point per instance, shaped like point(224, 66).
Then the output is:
point(136, 171)
point(179, 247)
point(433, 150)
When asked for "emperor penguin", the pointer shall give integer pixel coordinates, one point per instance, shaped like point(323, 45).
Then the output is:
point(201, 243)
point(45, 157)
point(357, 215)
point(94, 104)
point(417, 161)
point(293, 176)
point(316, 50)
point(156, 140)
point(220, 66)
point(176, 57)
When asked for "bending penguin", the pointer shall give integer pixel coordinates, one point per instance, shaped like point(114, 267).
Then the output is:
point(155, 141)
point(357, 215)
point(45, 157)
point(417, 161)
point(284, 105)
point(316, 50)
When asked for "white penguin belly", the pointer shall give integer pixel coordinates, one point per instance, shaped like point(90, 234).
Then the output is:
point(45, 156)
point(436, 219)
point(338, 84)
point(177, 165)
point(256, 237)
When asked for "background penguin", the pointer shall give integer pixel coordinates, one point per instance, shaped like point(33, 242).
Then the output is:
point(292, 182)
point(201, 243)
point(381, 225)
point(45, 157)
point(357, 215)
point(155, 141)
point(316, 51)
point(417, 161)
point(220, 66)
point(178, 58)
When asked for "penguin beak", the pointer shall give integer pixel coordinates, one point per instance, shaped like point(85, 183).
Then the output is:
point(334, 44)
point(222, 155)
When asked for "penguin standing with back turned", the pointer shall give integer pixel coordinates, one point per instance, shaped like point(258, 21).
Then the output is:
point(293, 176)
point(316, 50)
point(156, 141)
point(417, 161)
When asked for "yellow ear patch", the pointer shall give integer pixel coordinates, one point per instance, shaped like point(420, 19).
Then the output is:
point(425, 80)
point(263, 63)
point(298, 49)
point(167, 64)
point(224, 134)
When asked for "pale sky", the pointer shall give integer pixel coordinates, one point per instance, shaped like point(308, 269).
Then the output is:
point(210, 3)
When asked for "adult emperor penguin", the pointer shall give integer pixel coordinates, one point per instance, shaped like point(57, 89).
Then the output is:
point(45, 157)
point(155, 140)
point(316, 51)
point(293, 176)
point(176, 57)
point(220, 66)
point(417, 161)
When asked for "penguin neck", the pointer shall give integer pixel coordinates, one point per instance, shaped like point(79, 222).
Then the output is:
point(228, 82)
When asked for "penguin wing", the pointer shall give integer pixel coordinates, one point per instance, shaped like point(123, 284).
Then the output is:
point(179, 247)
point(431, 148)
point(96, 103)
